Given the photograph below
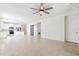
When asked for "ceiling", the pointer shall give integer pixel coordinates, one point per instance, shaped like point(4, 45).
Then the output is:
point(22, 11)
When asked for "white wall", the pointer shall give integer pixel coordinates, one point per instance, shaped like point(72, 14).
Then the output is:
point(73, 28)
point(53, 28)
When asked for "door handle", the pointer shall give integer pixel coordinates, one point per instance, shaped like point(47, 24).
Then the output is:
point(76, 32)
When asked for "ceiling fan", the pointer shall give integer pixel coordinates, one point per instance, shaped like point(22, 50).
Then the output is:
point(42, 9)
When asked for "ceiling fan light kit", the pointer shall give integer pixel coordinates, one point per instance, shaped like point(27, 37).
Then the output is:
point(42, 9)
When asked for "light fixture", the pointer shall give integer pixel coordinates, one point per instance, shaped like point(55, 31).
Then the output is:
point(42, 9)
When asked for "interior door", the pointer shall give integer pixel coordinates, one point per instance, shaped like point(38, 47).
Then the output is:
point(39, 29)
point(35, 30)
point(73, 28)
point(32, 30)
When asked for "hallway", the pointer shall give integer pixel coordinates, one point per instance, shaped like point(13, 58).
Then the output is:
point(20, 45)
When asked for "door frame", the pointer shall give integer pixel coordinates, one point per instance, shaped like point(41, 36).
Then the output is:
point(65, 29)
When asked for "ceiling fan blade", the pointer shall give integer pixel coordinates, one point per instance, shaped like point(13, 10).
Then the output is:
point(35, 12)
point(49, 8)
point(46, 12)
point(34, 8)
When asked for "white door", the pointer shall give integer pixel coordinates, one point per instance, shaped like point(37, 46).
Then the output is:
point(73, 28)
point(39, 29)
point(32, 30)
point(35, 30)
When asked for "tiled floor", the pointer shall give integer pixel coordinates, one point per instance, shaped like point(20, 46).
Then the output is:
point(20, 45)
